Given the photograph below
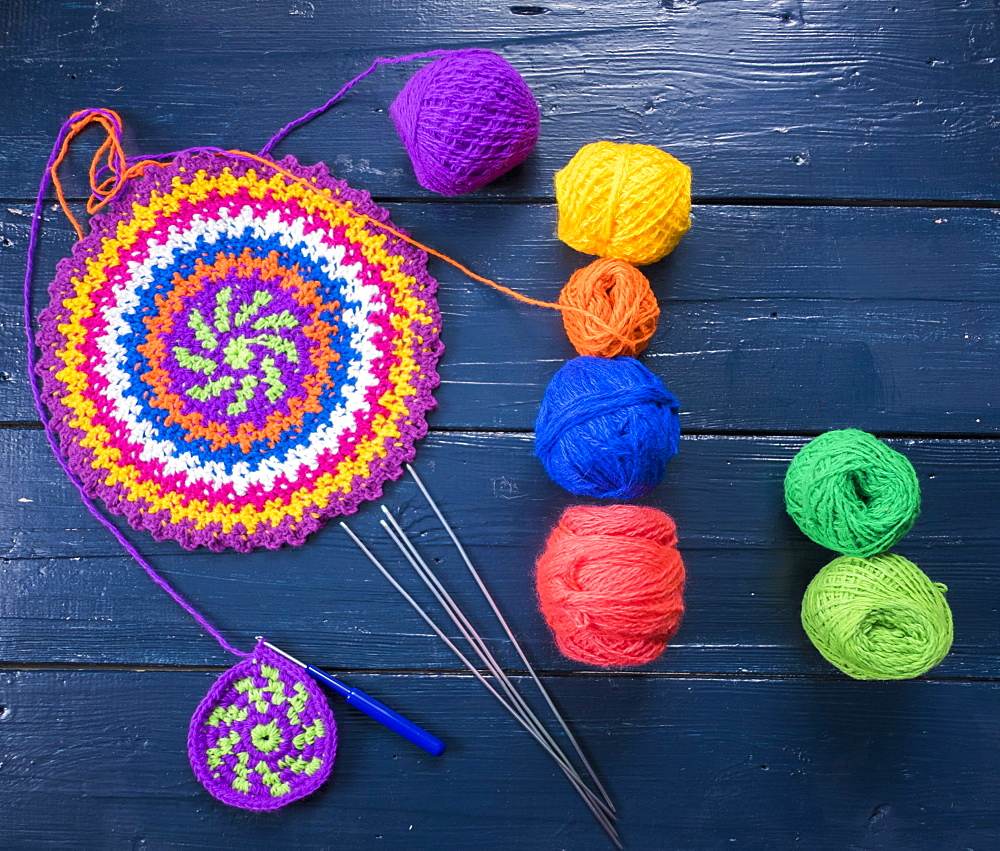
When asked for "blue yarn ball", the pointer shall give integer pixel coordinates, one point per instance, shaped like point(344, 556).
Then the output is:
point(607, 427)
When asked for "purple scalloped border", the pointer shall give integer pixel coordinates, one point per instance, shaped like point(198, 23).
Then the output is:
point(157, 523)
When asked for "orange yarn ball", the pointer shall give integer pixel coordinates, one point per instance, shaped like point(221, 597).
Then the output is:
point(616, 294)
point(611, 582)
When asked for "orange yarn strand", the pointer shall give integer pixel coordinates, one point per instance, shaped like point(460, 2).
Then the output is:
point(111, 151)
point(113, 156)
point(586, 314)
point(111, 147)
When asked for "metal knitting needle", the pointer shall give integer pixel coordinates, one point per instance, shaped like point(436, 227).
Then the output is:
point(585, 793)
point(426, 574)
point(582, 790)
point(510, 634)
point(420, 567)
point(423, 570)
point(370, 706)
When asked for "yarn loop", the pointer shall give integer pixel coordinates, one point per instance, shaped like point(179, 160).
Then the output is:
point(850, 492)
point(632, 202)
point(610, 583)
point(465, 119)
point(607, 428)
point(620, 297)
point(879, 618)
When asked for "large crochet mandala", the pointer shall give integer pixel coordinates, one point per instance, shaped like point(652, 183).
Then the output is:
point(233, 356)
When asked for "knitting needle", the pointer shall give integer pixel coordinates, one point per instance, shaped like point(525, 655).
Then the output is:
point(582, 790)
point(370, 706)
point(475, 640)
point(426, 574)
point(585, 793)
point(589, 798)
point(510, 635)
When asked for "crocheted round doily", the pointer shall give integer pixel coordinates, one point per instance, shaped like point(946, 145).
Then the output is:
point(231, 358)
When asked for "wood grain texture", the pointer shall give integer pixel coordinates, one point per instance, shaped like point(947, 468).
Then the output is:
point(774, 98)
point(842, 270)
point(774, 319)
point(74, 598)
point(96, 758)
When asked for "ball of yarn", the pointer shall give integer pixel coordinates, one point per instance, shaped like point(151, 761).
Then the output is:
point(465, 119)
point(850, 492)
point(610, 583)
point(607, 427)
point(632, 202)
point(877, 618)
point(618, 297)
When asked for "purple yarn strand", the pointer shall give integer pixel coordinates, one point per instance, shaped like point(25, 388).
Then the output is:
point(309, 116)
point(36, 222)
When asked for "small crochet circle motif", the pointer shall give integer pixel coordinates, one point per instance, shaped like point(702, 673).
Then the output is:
point(264, 735)
point(231, 357)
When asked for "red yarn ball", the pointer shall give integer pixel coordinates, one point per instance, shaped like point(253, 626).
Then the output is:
point(611, 583)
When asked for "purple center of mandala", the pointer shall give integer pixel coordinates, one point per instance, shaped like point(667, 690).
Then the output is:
point(236, 351)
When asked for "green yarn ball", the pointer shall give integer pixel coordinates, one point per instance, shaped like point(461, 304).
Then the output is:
point(877, 618)
point(851, 493)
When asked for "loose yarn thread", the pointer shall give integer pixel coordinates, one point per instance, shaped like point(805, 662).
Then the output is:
point(850, 492)
point(607, 428)
point(610, 584)
point(632, 202)
point(620, 295)
point(109, 174)
point(878, 618)
point(112, 123)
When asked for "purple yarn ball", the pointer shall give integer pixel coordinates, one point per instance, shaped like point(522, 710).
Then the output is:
point(465, 119)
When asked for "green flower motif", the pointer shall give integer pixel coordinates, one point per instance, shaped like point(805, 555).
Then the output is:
point(238, 354)
point(266, 737)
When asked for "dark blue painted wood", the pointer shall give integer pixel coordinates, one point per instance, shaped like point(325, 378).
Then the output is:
point(814, 98)
point(96, 759)
point(73, 597)
point(775, 319)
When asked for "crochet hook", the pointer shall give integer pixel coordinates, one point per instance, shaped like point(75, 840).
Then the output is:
point(370, 706)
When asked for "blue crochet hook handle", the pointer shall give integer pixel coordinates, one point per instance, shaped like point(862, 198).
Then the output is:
point(371, 707)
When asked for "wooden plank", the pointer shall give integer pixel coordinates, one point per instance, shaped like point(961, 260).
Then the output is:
point(818, 98)
point(775, 319)
point(71, 596)
point(97, 759)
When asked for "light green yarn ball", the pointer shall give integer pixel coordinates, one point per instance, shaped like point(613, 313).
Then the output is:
point(877, 618)
point(851, 493)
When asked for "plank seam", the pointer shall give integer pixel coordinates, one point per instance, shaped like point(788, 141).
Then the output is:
point(696, 200)
point(32, 425)
point(27, 667)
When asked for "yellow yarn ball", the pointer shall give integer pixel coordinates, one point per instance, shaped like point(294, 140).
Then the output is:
point(631, 202)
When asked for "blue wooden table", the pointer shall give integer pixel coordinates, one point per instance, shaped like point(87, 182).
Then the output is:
point(843, 270)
